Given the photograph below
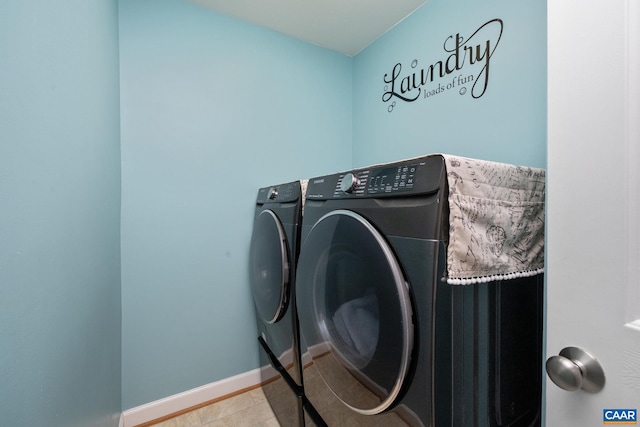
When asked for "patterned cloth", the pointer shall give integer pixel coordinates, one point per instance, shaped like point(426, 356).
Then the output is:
point(303, 191)
point(496, 221)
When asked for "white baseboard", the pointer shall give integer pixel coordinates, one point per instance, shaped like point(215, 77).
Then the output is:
point(121, 423)
point(188, 399)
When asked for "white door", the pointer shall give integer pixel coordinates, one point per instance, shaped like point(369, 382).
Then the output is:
point(593, 216)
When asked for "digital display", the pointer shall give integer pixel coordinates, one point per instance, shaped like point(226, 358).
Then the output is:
point(392, 179)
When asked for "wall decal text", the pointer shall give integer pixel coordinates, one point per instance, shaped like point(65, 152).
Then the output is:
point(408, 84)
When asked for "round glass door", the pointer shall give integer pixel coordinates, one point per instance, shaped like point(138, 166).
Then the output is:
point(355, 311)
point(269, 267)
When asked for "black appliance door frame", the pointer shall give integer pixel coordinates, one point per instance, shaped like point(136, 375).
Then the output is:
point(354, 305)
point(269, 267)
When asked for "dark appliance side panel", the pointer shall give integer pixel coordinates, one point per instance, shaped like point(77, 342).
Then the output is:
point(496, 353)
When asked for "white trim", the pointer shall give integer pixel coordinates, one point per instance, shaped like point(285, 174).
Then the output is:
point(632, 161)
point(634, 326)
point(190, 398)
point(121, 423)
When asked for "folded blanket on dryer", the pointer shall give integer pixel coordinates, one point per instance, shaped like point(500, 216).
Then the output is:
point(496, 220)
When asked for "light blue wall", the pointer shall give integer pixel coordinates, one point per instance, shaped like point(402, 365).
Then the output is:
point(59, 214)
point(507, 123)
point(212, 109)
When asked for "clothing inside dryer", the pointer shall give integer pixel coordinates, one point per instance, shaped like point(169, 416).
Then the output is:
point(354, 319)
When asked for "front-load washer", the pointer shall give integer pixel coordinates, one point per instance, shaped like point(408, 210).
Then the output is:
point(272, 265)
point(385, 339)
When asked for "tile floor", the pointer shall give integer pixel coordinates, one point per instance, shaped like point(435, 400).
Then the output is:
point(249, 409)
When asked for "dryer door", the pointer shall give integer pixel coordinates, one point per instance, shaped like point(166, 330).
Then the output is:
point(355, 311)
point(269, 267)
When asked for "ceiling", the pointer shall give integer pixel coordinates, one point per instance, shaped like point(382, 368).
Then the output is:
point(345, 26)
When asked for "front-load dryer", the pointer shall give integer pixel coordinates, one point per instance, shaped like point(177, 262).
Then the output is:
point(272, 265)
point(385, 339)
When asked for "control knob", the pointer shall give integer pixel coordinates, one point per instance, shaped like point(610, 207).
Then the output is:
point(349, 182)
point(273, 193)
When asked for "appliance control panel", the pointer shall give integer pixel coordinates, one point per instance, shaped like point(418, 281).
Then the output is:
point(393, 179)
point(288, 192)
point(414, 176)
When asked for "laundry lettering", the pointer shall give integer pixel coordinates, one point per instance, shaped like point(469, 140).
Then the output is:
point(408, 83)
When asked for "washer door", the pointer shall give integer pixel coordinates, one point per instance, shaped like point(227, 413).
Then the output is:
point(269, 267)
point(355, 311)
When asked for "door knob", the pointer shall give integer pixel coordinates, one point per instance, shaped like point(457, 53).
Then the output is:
point(575, 369)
